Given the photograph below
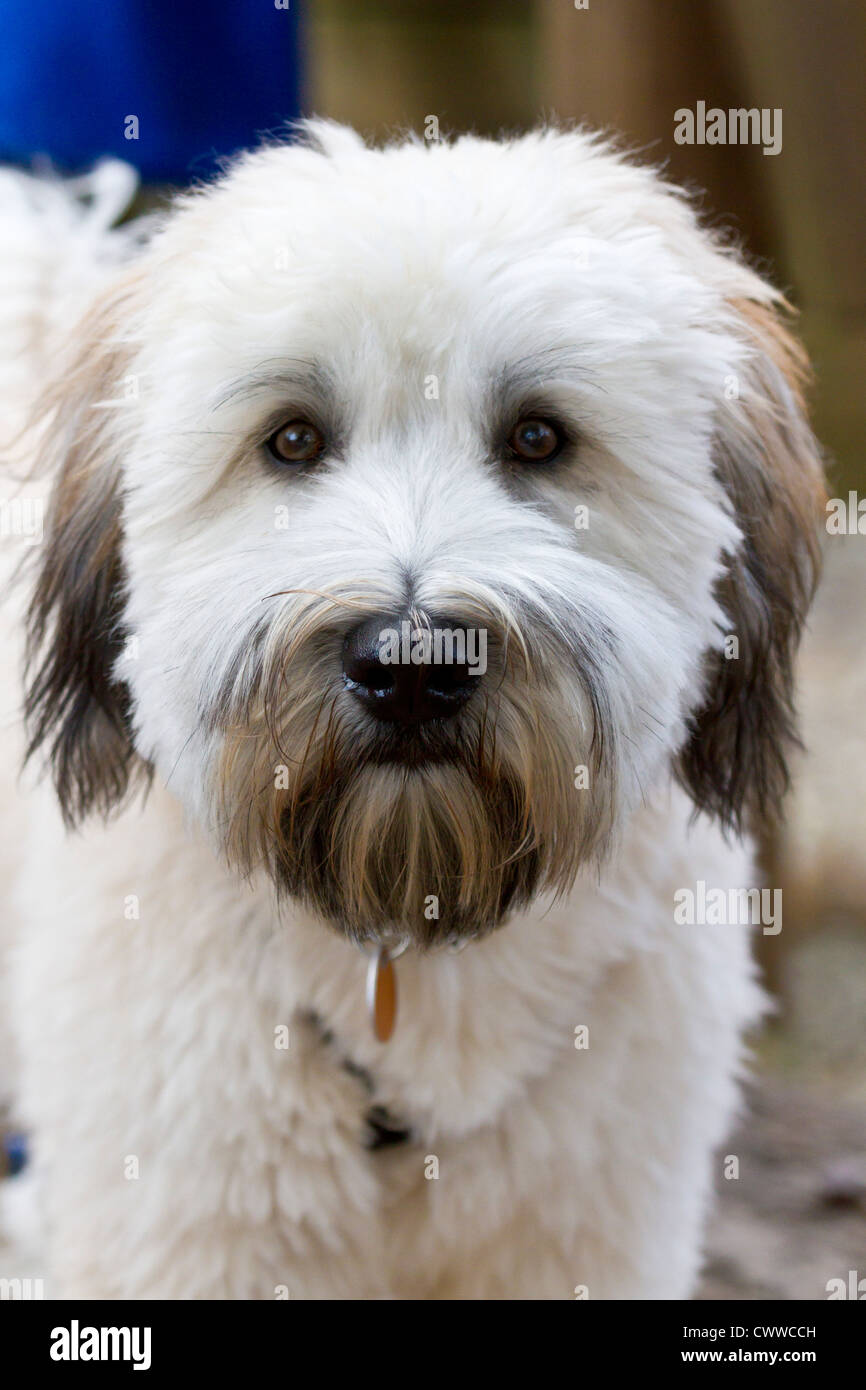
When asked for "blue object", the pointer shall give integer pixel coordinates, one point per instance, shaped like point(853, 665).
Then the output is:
point(192, 81)
point(15, 1149)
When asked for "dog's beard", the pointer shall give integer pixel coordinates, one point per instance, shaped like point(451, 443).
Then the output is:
point(431, 852)
point(433, 834)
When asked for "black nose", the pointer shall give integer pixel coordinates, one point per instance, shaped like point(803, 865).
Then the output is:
point(385, 668)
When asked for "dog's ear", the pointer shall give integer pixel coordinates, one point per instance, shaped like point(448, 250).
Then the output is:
point(76, 709)
point(768, 462)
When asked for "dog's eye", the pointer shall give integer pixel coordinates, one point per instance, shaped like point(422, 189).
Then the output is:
point(535, 441)
point(296, 442)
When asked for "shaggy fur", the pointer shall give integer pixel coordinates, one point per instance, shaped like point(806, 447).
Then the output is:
point(182, 676)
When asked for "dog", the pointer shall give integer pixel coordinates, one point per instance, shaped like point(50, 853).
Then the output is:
point(428, 531)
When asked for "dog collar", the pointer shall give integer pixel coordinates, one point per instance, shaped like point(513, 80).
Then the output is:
point(382, 989)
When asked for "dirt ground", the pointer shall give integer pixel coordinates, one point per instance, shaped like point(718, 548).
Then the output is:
point(796, 1215)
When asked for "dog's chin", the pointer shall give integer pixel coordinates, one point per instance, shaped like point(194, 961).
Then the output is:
point(413, 843)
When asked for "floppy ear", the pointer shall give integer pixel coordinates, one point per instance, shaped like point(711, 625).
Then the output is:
point(767, 460)
point(76, 709)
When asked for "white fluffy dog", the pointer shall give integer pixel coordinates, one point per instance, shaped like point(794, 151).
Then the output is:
point(507, 391)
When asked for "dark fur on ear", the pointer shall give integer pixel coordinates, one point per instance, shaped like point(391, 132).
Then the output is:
point(76, 709)
point(735, 764)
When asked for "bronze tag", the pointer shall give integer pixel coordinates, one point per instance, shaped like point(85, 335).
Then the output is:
point(382, 994)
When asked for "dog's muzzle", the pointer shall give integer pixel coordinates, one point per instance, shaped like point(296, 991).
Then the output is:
point(411, 777)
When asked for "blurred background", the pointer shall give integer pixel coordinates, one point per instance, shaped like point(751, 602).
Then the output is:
point(173, 86)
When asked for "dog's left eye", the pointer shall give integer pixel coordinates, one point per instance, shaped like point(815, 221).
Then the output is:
point(535, 441)
point(296, 442)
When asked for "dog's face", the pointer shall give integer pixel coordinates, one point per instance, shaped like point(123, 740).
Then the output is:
point(510, 393)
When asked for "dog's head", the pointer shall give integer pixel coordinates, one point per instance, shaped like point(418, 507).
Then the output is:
point(418, 512)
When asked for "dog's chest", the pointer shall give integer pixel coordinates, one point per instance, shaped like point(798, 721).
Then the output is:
point(473, 1030)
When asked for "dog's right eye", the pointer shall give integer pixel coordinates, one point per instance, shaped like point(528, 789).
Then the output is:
point(534, 440)
point(296, 442)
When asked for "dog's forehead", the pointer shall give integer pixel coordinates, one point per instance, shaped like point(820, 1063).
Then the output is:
point(424, 199)
point(412, 246)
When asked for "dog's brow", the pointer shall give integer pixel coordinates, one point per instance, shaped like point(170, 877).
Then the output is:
point(298, 374)
point(536, 371)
